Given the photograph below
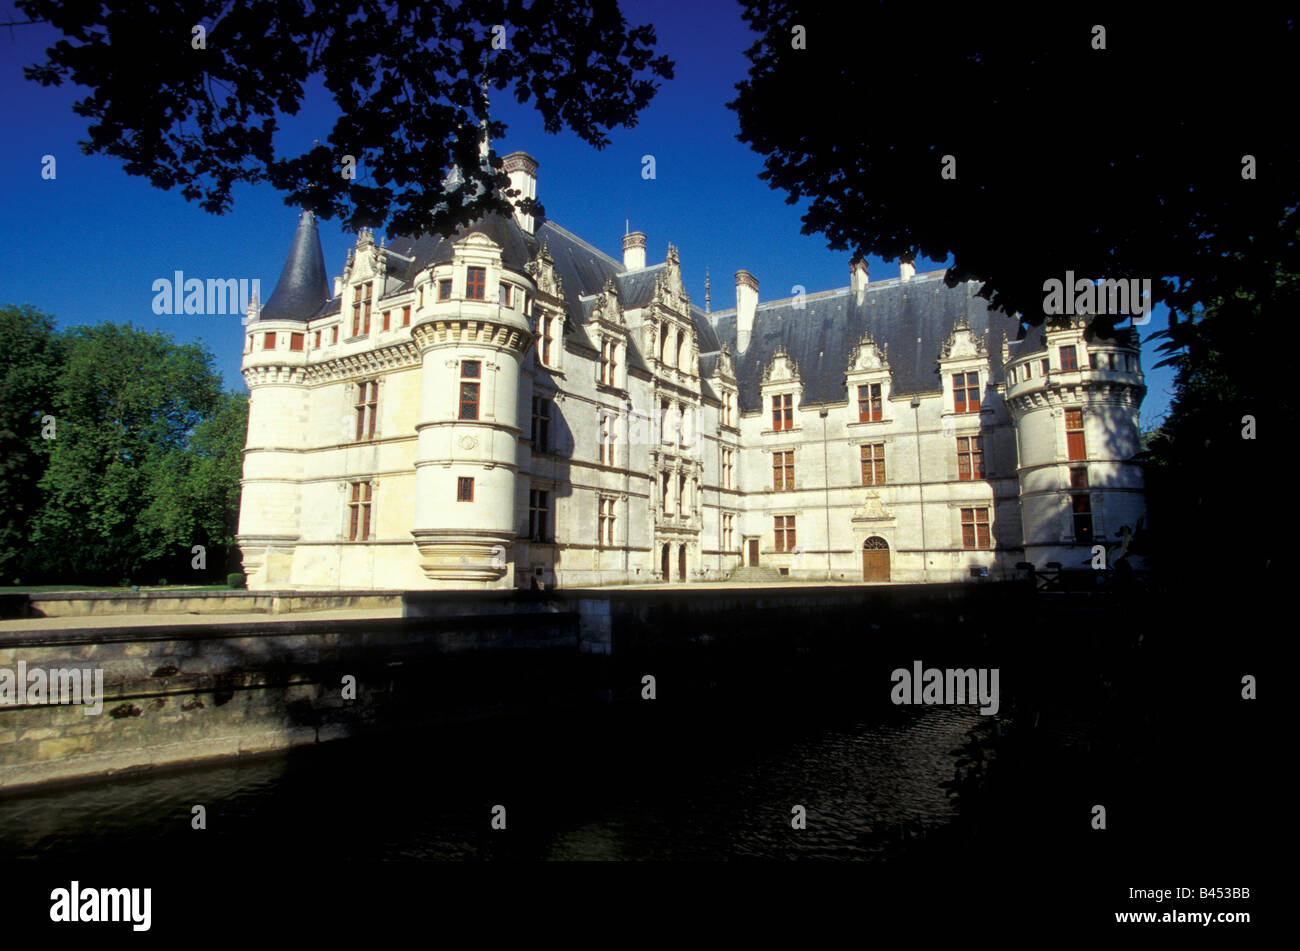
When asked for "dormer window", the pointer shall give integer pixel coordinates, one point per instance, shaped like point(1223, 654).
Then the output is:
point(869, 403)
point(783, 411)
point(966, 392)
point(476, 283)
point(608, 361)
point(1069, 359)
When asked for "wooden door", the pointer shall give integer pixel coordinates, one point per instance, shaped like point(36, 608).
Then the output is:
point(753, 552)
point(875, 560)
point(681, 563)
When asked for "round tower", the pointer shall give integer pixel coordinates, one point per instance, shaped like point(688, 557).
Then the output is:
point(473, 334)
point(1075, 406)
point(274, 367)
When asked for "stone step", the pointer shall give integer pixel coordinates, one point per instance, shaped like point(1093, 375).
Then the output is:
point(759, 575)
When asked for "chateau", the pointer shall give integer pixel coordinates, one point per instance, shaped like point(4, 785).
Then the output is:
point(513, 407)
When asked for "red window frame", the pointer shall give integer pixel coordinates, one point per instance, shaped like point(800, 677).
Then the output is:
point(1076, 449)
point(975, 528)
point(470, 374)
point(475, 283)
point(966, 392)
point(784, 532)
point(869, 403)
point(1069, 358)
point(268, 341)
point(970, 458)
point(297, 341)
point(783, 411)
point(464, 489)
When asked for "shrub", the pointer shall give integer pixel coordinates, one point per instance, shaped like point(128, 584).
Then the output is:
point(235, 579)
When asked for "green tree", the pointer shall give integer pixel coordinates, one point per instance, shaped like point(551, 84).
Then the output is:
point(30, 359)
point(410, 79)
point(127, 402)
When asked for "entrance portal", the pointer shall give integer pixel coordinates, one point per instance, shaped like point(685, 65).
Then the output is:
point(875, 559)
point(681, 563)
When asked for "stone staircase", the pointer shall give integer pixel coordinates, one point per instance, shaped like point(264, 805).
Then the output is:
point(759, 575)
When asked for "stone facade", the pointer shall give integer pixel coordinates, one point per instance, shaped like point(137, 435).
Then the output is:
point(512, 407)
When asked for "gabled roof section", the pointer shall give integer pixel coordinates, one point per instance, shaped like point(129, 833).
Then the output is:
point(913, 318)
point(303, 287)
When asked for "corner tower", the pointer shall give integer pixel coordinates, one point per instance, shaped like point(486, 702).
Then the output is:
point(274, 368)
point(472, 330)
point(1075, 406)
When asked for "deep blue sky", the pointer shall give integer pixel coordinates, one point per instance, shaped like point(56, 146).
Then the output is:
point(88, 246)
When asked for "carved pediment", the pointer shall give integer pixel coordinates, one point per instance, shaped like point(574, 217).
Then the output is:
point(963, 343)
point(868, 356)
point(871, 509)
point(781, 368)
point(542, 270)
point(724, 368)
point(608, 308)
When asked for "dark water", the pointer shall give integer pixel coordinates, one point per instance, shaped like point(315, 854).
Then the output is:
point(620, 782)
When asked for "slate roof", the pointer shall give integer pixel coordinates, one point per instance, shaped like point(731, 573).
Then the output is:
point(912, 318)
point(303, 286)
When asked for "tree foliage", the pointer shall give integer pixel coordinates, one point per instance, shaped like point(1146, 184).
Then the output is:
point(144, 460)
point(1122, 162)
point(411, 81)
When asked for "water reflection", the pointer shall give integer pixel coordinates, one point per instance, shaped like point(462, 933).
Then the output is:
point(625, 784)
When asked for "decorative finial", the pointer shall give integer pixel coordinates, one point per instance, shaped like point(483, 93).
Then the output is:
point(706, 290)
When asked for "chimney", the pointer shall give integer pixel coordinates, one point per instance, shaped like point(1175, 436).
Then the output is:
point(522, 169)
point(858, 279)
point(746, 302)
point(634, 250)
point(338, 286)
point(905, 270)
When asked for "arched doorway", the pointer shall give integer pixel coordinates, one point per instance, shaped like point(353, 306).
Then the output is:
point(681, 563)
point(875, 559)
point(664, 572)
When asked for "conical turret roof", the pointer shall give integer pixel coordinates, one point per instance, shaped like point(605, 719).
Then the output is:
point(303, 288)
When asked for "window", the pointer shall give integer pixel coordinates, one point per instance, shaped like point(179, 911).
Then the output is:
point(469, 377)
point(1074, 434)
point(873, 464)
point(783, 411)
point(503, 294)
point(1028, 369)
point(538, 515)
point(970, 458)
point(663, 489)
point(444, 289)
point(966, 392)
point(975, 528)
point(367, 406)
point(1081, 505)
point(297, 341)
point(268, 342)
point(605, 523)
point(544, 339)
point(783, 471)
point(1128, 363)
point(728, 532)
point(606, 439)
point(528, 305)
point(388, 320)
point(541, 424)
point(1047, 366)
point(785, 533)
point(869, 403)
point(316, 344)
point(608, 360)
point(1011, 376)
point(359, 512)
point(406, 316)
point(728, 466)
point(476, 283)
point(422, 297)
point(1069, 359)
point(361, 308)
point(1079, 477)
point(464, 489)
point(334, 334)
point(1094, 360)
point(1112, 361)
point(726, 409)
point(683, 506)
